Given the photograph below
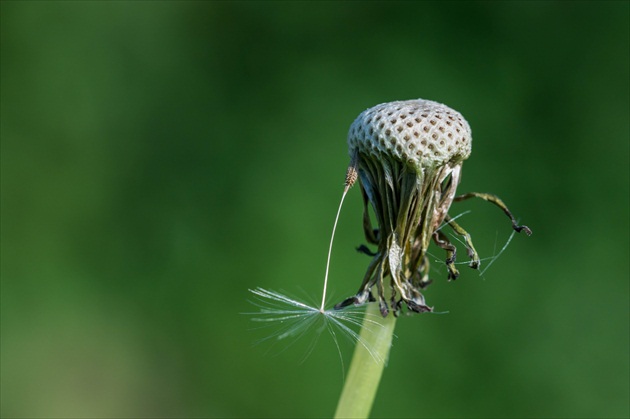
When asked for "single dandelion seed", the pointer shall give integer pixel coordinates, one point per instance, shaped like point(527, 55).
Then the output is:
point(296, 317)
point(409, 155)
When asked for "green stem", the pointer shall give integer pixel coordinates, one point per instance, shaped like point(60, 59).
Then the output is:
point(365, 372)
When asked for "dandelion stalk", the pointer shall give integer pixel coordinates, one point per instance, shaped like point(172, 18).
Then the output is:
point(365, 371)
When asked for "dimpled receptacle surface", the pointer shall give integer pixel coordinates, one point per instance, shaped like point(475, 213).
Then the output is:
point(421, 132)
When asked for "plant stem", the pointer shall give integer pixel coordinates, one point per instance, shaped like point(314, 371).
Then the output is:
point(365, 372)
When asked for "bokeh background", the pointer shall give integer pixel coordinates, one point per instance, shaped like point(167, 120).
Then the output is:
point(161, 158)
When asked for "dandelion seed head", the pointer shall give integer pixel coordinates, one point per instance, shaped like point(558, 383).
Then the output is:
point(409, 155)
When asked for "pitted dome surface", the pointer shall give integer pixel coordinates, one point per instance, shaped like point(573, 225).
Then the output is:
point(422, 132)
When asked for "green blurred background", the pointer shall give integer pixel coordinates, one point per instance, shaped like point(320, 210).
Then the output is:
point(160, 158)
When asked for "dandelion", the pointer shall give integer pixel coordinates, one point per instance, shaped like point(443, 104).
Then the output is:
point(407, 157)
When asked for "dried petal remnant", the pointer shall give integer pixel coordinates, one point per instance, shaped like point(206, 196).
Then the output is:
point(409, 156)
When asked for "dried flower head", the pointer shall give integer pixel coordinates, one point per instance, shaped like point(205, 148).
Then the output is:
point(408, 156)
